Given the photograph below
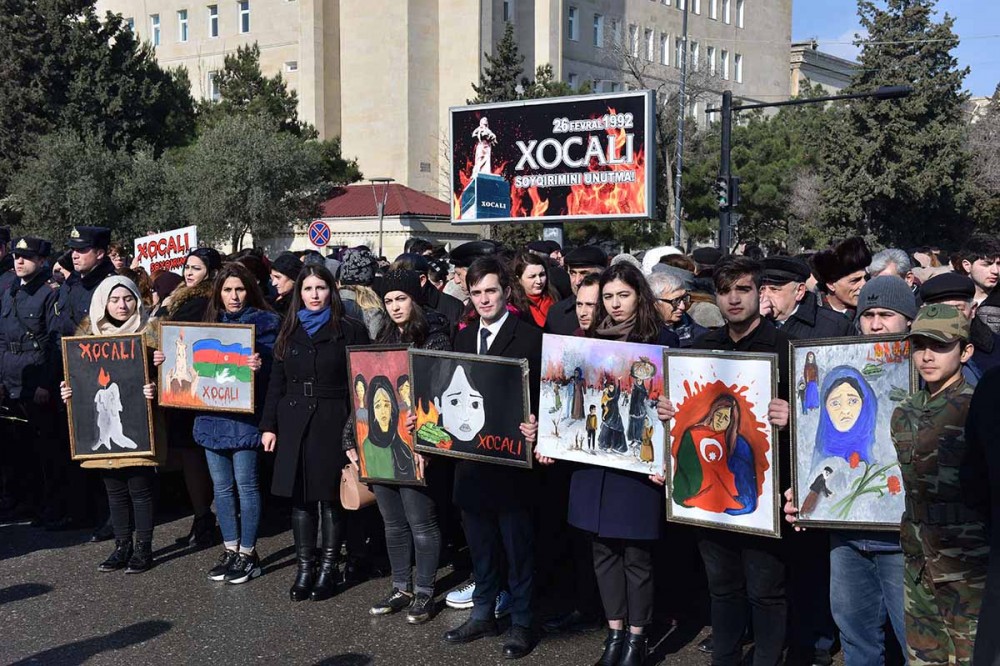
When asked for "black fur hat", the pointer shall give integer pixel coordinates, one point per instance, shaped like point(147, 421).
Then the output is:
point(848, 256)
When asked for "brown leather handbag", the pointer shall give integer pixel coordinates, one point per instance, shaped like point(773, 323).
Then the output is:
point(354, 494)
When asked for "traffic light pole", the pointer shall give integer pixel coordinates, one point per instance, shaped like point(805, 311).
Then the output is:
point(725, 174)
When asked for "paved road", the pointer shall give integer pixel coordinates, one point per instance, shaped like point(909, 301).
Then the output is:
point(55, 608)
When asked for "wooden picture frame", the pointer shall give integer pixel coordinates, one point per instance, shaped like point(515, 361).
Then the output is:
point(492, 395)
point(222, 384)
point(723, 458)
point(385, 366)
point(845, 471)
point(108, 408)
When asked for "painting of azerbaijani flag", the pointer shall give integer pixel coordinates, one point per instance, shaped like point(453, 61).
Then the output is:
point(206, 367)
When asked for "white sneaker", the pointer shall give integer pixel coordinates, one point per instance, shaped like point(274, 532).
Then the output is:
point(461, 597)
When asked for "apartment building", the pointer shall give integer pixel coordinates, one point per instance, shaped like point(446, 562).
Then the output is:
point(383, 73)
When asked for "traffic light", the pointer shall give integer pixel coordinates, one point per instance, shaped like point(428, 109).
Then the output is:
point(722, 192)
point(734, 192)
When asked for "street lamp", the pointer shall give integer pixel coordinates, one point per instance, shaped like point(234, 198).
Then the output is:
point(380, 205)
point(726, 179)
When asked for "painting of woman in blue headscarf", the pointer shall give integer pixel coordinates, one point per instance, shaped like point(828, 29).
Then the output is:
point(848, 409)
point(810, 376)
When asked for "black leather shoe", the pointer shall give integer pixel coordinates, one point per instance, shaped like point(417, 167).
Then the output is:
point(635, 651)
point(142, 558)
point(706, 645)
point(576, 621)
point(613, 645)
point(519, 642)
point(202, 533)
point(471, 630)
point(119, 557)
point(326, 583)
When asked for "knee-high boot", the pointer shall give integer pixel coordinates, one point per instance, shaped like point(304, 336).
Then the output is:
point(332, 526)
point(304, 533)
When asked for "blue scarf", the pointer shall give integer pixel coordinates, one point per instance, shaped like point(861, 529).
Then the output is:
point(313, 320)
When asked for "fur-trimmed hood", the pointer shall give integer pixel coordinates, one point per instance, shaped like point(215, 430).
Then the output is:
point(183, 294)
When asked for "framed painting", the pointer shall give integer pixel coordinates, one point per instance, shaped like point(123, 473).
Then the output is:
point(381, 402)
point(207, 367)
point(470, 406)
point(722, 467)
point(598, 403)
point(845, 473)
point(108, 415)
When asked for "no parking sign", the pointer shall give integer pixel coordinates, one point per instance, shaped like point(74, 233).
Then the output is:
point(319, 233)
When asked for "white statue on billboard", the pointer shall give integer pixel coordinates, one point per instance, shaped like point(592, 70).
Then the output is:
point(484, 147)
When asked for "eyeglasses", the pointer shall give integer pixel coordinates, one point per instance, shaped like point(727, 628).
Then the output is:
point(675, 302)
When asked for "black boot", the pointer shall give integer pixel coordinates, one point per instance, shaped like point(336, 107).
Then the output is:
point(119, 557)
point(142, 558)
point(326, 584)
point(203, 531)
point(635, 650)
point(612, 648)
point(304, 533)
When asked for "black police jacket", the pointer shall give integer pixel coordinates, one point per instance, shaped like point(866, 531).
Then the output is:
point(73, 303)
point(28, 356)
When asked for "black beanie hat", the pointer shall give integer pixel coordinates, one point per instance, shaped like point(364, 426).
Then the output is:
point(288, 264)
point(405, 281)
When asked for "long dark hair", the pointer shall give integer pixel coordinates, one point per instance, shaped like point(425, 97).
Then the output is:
point(414, 330)
point(519, 265)
point(291, 321)
point(647, 322)
point(255, 298)
point(733, 430)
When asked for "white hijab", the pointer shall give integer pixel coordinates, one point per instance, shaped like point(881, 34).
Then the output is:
point(100, 323)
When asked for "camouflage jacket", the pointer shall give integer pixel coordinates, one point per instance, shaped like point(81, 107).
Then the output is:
point(938, 528)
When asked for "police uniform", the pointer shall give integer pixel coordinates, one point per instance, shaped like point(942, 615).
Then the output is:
point(73, 303)
point(944, 540)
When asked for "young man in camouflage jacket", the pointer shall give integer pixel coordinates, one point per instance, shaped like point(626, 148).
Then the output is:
point(943, 539)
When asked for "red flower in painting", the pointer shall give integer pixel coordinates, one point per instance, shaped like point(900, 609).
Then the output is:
point(855, 460)
point(892, 483)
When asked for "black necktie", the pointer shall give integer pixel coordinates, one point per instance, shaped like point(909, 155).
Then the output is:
point(484, 335)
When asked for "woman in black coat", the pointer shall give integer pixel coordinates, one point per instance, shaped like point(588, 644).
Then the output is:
point(305, 411)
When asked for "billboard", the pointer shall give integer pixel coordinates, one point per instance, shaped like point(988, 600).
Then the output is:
point(554, 159)
point(166, 251)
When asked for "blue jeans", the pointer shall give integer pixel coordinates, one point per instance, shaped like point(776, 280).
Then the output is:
point(236, 470)
point(866, 587)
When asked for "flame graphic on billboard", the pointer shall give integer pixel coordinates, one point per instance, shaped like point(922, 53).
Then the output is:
point(612, 198)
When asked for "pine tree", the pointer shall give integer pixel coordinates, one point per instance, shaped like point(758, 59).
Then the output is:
point(499, 80)
point(897, 169)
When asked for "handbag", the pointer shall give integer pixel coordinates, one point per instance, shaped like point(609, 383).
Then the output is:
point(354, 495)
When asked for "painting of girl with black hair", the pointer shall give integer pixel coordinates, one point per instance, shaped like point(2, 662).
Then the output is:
point(845, 438)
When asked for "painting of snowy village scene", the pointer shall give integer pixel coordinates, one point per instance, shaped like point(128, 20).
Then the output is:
point(598, 403)
point(844, 465)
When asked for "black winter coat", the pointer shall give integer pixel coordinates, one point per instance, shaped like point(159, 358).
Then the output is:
point(811, 322)
point(562, 319)
point(307, 404)
point(442, 303)
point(73, 303)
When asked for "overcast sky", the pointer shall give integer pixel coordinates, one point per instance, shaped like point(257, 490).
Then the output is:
point(835, 22)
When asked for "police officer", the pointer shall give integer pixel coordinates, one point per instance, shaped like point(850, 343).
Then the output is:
point(91, 265)
point(793, 308)
point(29, 366)
point(944, 540)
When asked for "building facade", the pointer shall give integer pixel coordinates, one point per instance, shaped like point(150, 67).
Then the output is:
point(810, 66)
point(383, 73)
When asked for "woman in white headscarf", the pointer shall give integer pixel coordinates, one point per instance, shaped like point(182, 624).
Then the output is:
point(117, 308)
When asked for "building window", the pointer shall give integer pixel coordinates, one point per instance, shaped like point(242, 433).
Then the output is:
point(633, 40)
point(696, 6)
point(572, 79)
point(649, 45)
point(598, 30)
point(739, 13)
point(182, 25)
point(244, 6)
point(616, 33)
point(738, 67)
point(574, 24)
point(724, 64)
point(154, 28)
point(130, 22)
point(695, 107)
point(710, 56)
point(664, 49)
point(508, 11)
point(713, 9)
point(213, 20)
point(726, 18)
point(681, 4)
point(291, 65)
point(678, 52)
point(695, 56)
point(665, 2)
point(214, 93)
point(616, 87)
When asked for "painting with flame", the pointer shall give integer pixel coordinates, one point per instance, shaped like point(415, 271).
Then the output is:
point(598, 403)
point(581, 157)
point(108, 415)
point(722, 467)
point(381, 402)
point(470, 406)
point(845, 470)
point(207, 367)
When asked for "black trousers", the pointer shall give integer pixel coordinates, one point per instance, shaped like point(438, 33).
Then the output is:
point(624, 570)
point(746, 578)
point(130, 496)
point(491, 535)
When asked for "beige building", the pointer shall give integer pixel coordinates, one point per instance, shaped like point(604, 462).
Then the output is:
point(809, 64)
point(382, 73)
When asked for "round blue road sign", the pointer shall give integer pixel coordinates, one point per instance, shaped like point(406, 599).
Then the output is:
point(319, 233)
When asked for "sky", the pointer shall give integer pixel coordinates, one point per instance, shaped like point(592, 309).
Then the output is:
point(977, 22)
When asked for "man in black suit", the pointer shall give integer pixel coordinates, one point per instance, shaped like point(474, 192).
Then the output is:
point(496, 500)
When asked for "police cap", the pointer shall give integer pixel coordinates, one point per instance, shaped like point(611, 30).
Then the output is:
point(463, 255)
point(782, 270)
point(28, 246)
point(948, 287)
point(84, 238)
point(707, 256)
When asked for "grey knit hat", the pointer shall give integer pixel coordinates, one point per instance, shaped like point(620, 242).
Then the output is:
point(889, 292)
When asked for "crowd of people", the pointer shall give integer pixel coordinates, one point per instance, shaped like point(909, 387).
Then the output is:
point(916, 595)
